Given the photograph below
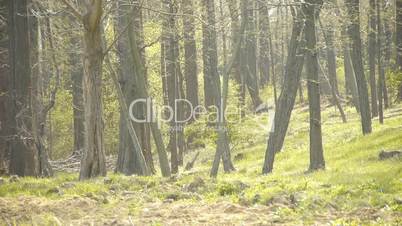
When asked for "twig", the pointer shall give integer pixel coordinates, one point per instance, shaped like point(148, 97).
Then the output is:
point(73, 9)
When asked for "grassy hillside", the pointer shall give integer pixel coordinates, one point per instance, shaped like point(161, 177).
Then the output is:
point(355, 189)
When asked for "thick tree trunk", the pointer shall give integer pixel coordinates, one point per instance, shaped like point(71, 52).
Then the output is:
point(312, 9)
point(4, 74)
point(22, 147)
point(93, 160)
point(129, 161)
point(190, 54)
point(353, 9)
point(288, 94)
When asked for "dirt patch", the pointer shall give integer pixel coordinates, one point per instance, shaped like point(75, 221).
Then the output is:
point(86, 211)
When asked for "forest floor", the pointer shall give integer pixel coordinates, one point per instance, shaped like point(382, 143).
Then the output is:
point(355, 189)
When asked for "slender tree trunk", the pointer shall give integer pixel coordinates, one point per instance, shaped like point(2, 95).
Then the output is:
point(273, 62)
point(264, 61)
point(398, 36)
point(221, 93)
point(39, 109)
point(331, 57)
point(223, 32)
point(387, 50)
point(76, 73)
point(93, 160)
point(381, 73)
point(190, 54)
point(312, 10)
point(372, 58)
point(350, 78)
point(22, 147)
point(209, 47)
point(237, 74)
point(353, 9)
point(288, 94)
point(249, 57)
point(172, 77)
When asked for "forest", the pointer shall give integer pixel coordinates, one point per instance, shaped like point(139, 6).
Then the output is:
point(200, 112)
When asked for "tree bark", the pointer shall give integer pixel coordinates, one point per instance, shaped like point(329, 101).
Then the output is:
point(398, 36)
point(76, 73)
point(387, 50)
point(249, 57)
point(353, 9)
point(237, 74)
point(329, 37)
point(381, 73)
point(209, 49)
point(4, 95)
point(264, 61)
point(40, 109)
point(312, 9)
point(372, 57)
point(93, 160)
point(190, 54)
point(22, 147)
point(129, 161)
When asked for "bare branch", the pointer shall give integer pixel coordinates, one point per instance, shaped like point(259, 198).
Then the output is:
point(74, 10)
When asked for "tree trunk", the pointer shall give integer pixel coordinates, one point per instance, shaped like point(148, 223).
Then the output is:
point(372, 57)
point(209, 49)
point(263, 61)
point(312, 9)
point(387, 50)
point(398, 36)
point(93, 160)
point(356, 55)
point(350, 77)
point(331, 57)
point(288, 94)
point(223, 32)
point(249, 57)
point(4, 95)
point(222, 148)
point(237, 74)
point(129, 162)
point(190, 54)
point(22, 147)
point(76, 73)
point(381, 73)
point(172, 78)
point(39, 109)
